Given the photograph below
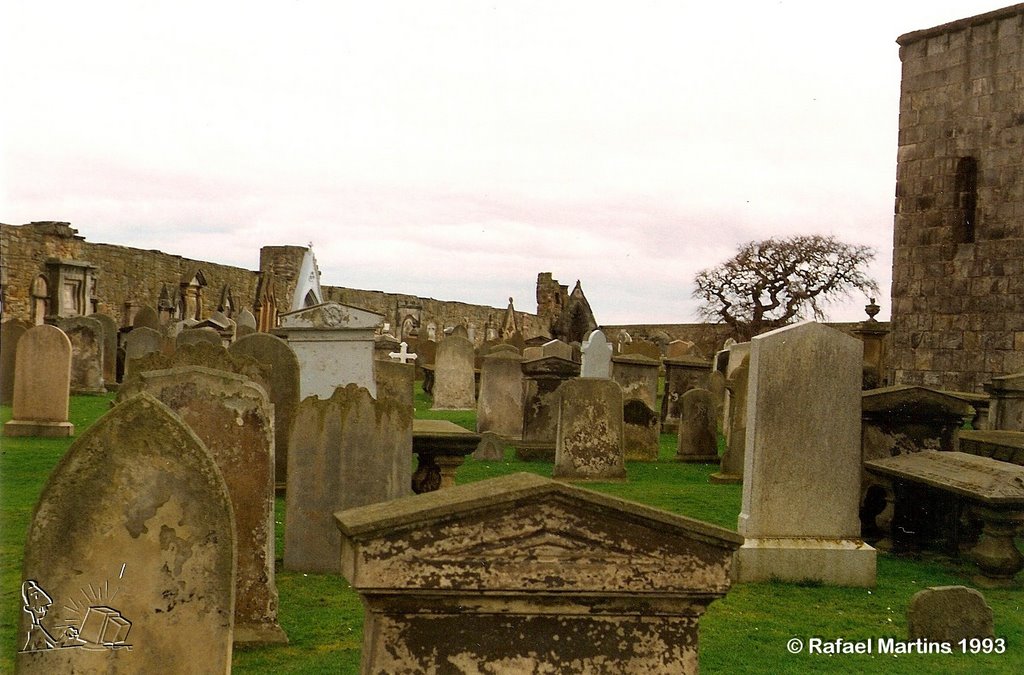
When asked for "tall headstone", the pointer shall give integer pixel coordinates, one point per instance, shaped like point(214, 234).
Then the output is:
point(454, 380)
point(500, 408)
point(733, 459)
point(138, 343)
point(334, 345)
point(245, 323)
point(42, 385)
point(716, 385)
point(589, 435)
point(346, 451)
point(543, 375)
point(283, 387)
point(10, 333)
point(801, 485)
point(597, 356)
point(638, 377)
point(110, 333)
point(132, 544)
point(234, 419)
point(147, 317)
point(698, 432)
point(739, 354)
point(523, 574)
point(87, 352)
point(681, 375)
point(396, 380)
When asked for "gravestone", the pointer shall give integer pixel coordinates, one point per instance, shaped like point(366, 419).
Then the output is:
point(734, 457)
point(500, 408)
point(191, 336)
point(138, 343)
point(681, 375)
point(522, 574)
point(132, 544)
point(716, 385)
point(207, 355)
point(698, 434)
point(680, 348)
point(10, 332)
point(334, 345)
point(638, 377)
point(42, 384)
point(597, 356)
point(395, 381)
point(234, 419)
point(87, 352)
point(454, 381)
point(458, 331)
point(739, 354)
point(589, 434)
point(383, 345)
point(346, 451)
point(643, 348)
point(542, 376)
point(245, 323)
point(949, 614)
point(147, 317)
point(110, 333)
point(491, 448)
point(282, 386)
point(801, 483)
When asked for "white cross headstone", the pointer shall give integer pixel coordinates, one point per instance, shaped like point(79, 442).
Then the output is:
point(403, 354)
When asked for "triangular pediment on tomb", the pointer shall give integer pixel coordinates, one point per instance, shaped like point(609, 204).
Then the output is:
point(910, 401)
point(331, 315)
point(528, 533)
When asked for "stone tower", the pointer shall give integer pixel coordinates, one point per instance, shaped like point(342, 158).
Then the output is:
point(958, 250)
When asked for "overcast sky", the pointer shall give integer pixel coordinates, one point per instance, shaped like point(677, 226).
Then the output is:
point(456, 149)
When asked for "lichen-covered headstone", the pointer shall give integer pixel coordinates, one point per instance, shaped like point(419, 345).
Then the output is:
point(129, 560)
point(346, 451)
point(638, 377)
point(454, 381)
point(139, 343)
point(698, 431)
point(87, 353)
point(589, 433)
point(193, 336)
point(147, 317)
point(42, 384)
point(949, 614)
point(234, 419)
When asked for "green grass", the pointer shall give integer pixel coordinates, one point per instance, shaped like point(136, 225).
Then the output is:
point(745, 632)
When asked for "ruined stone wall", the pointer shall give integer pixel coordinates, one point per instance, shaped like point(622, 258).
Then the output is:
point(958, 252)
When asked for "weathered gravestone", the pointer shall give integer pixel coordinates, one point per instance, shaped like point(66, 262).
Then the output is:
point(383, 345)
point(395, 381)
point(500, 407)
point(739, 355)
point(716, 385)
point(589, 434)
point(334, 345)
point(110, 333)
point(491, 447)
point(638, 377)
point(192, 336)
point(147, 317)
point(734, 458)
point(801, 485)
point(10, 333)
point(245, 324)
point(454, 380)
point(234, 419)
point(597, 356)
point(522, 574)
point(681, 375)
point(207, 355)
point(139, 343)
point(543, 372)
point(346, 451)
point(129, 560)
point(680, 348)
point(282, 385)
point(698, 433)
point(87, 352)
point(42, 381)
point(949, 614)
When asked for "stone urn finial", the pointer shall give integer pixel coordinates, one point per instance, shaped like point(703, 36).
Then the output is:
point(872, 309)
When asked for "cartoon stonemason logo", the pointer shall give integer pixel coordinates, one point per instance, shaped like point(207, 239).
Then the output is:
point(101, 627)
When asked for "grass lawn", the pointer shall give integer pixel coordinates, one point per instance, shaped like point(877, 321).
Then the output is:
point(746, 632)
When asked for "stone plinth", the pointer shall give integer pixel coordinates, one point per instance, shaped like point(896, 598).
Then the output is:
point(588, 442)
point(543, 376)
point(42, 385)
point(524, 574)
point(1007, 409)
point(801, 485)
point(681, 375)
point(334, 346)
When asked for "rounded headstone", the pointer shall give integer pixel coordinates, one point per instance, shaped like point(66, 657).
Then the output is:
point(949, 614)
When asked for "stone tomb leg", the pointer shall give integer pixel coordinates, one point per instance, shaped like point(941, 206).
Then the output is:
point(801, 484)
point(528, 575)
point(138, 515)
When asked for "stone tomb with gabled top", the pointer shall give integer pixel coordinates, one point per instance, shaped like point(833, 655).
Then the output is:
point(525, 574)
point(334, 345)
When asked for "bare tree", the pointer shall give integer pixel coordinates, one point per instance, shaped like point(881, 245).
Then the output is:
point(769, 283)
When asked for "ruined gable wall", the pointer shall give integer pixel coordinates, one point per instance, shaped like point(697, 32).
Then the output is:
point(958, 296)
